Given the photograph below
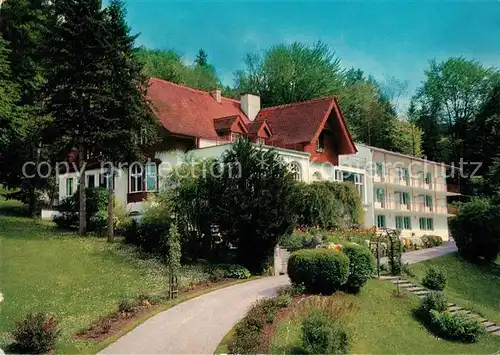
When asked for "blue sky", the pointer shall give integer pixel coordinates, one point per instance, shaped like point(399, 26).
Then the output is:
point(386, 39)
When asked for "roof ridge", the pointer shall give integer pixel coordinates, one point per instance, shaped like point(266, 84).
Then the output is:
point(299, 103)
point(190, 88)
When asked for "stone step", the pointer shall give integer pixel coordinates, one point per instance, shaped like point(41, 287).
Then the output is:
point(487, 324)
point(496, 332)
point(451, 304)
point(415, 289)
point(404, 284)
point(455, 308)
point(384, 277)
point(421, 292)
point(492, 329)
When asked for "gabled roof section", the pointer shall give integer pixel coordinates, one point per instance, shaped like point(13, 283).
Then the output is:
point(259, 129)
point(302, 122)
point(230, 124)
point(187, 111)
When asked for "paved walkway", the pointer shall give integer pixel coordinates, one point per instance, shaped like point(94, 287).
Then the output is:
point(196, 326)
point(426, 254)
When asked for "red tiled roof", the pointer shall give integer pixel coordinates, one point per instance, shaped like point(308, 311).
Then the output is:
point(186, 111)
point(298, 122)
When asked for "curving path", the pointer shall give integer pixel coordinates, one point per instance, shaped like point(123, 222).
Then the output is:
point(196, 326)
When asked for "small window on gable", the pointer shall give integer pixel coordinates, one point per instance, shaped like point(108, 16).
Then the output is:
point(261, 141)
point(320, 142)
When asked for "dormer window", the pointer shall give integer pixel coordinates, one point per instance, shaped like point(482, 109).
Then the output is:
point(260, 141)
point(320, 142)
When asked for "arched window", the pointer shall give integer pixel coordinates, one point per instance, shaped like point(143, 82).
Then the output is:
point(295, 170)
point(135, 177)
point(317, 176)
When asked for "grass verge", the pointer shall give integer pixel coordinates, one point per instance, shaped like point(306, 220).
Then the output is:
point(475, 287)
point(384, 324)
point(78, 279)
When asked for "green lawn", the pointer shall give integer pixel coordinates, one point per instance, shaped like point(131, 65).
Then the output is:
point(470, 286)
point(384, 324)
point(76, 278)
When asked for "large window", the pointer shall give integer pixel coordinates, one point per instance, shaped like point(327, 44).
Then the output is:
point(295, 170)
point(135, 178)
point(426, 224)
point(151, 177)
point(428, 178)
point(406, 199)
point(381, 221)
point(356, 179)
point(91, 181)
point(380, 195)
point(407, 223)
point(69, 187)
point(428, 201)
point(399, 222)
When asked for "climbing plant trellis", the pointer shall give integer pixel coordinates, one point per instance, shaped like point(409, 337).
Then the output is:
point(393, 250)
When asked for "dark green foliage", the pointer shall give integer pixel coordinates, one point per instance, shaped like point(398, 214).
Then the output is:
point(476, 230)
point(36, 334)
point(432, 301)
point(96, 204)
point(458, 326)
point(434, 279)
point(319, 270)
point(329, 204)
point(290, 73)
point(395, 252)
point(247, 338)
point(236, 201)
point(361, 266)
point(321, 335)
point(233, 271)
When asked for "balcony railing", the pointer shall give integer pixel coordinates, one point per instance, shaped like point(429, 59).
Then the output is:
point(435, 184)
point(411, 207)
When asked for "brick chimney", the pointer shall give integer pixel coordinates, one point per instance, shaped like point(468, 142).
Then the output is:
point(216, 94)
point(250, 104)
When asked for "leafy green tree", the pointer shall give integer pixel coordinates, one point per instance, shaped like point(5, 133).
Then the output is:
point(291, 73)
point(168, 65)
point(253, 200)
point(450, 97)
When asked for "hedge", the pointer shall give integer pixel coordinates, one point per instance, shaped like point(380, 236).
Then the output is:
point(319, 270)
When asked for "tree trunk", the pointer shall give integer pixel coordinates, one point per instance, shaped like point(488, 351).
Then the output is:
point(111, 212)
point(32, 205)
point(83, 212)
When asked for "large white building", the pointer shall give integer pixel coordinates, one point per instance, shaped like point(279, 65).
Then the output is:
point(397, 191)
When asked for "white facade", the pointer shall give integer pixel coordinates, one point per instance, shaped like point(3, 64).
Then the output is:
point(401, 192)
point(397, 191)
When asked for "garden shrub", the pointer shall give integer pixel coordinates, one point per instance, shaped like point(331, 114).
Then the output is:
point(233, 271)
point(321, 335)
point(36, 334)
point(456, 326)
point(361, 266)
point(430, 241)
point(434, 279)
point(319, 270)
point(476, 230)
point(433, 301)
point(248, 331)
point(217, 275)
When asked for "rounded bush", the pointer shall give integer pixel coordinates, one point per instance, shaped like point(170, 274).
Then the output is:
point(433, 301)
point(36, 334)
point(456, 326)
point(318, 270)
point(361, 266)
point(434, 279)
point(321, 335)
